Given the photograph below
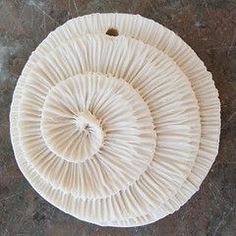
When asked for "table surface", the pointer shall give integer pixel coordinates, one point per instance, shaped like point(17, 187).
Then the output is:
point(209, 27)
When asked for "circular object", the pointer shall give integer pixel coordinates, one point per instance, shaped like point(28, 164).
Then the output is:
point(115, 120)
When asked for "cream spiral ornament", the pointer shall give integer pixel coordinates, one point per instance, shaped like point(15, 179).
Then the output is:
point(115, 120)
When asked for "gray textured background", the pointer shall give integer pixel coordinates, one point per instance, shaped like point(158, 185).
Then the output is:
point(209, 27)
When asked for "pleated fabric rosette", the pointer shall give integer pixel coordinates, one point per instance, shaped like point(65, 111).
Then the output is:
point(115, 120)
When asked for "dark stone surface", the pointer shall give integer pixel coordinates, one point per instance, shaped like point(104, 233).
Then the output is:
point(209, 27)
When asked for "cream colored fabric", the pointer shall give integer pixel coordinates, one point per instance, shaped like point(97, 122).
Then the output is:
point(118, 131)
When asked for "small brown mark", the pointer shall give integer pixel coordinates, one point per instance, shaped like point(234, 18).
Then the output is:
point(112, 32)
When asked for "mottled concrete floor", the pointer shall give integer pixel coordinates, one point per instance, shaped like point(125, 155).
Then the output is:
point(209, 27)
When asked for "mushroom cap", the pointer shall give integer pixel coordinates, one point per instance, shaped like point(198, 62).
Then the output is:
point(115, 120)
